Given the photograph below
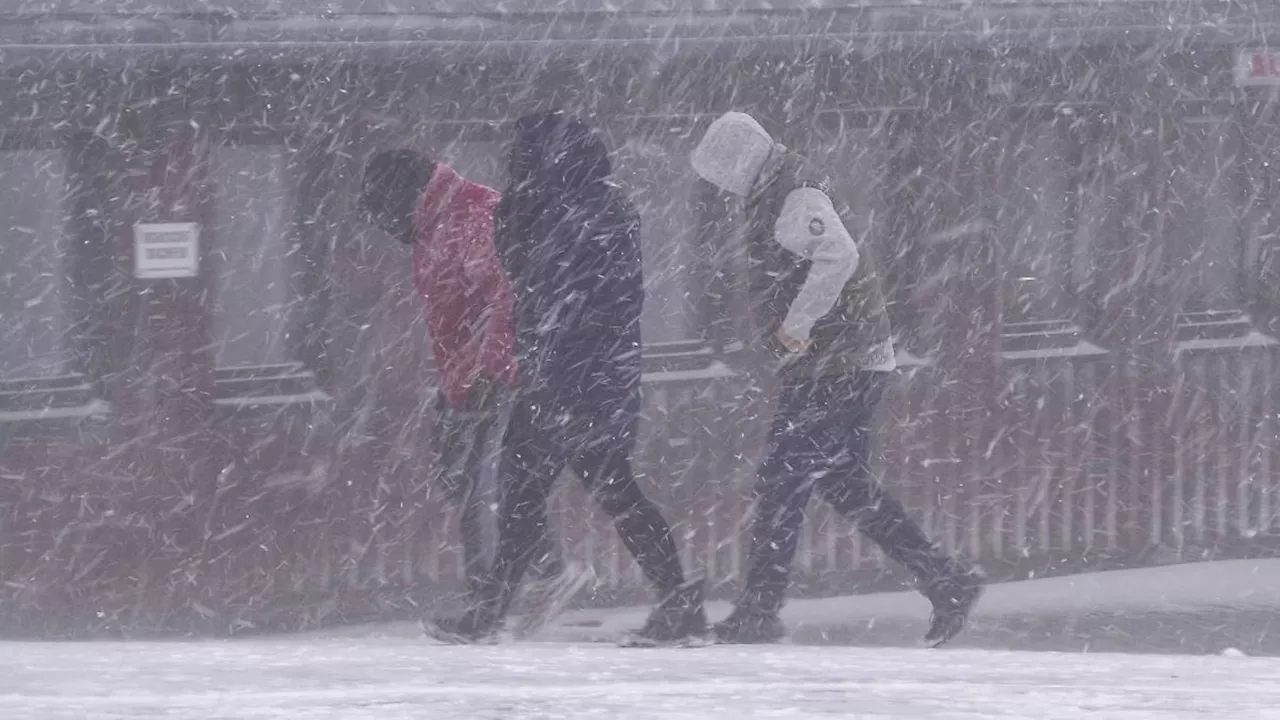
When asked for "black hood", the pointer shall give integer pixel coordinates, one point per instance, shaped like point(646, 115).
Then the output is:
point(554, 152)
point(392, 189)
point(569, 240)
point(558, 183)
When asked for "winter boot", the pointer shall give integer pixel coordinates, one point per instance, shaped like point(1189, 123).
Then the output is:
point(954, 595)
point(952, 587)
point(469, 628)
point(679, 621)
point(478, 625)
point(750, 626)
point(544, 599)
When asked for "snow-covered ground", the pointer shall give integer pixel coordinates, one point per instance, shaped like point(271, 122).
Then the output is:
point(389, 671)
point(1195, 608)
point(352, 679)
point(1188, 608)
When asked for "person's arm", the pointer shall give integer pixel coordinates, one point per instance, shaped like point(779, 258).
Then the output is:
point(629, 267)
point(810, 227)
point(505, 240)
point(608, 273)
point(484, 271)
point(439, 310)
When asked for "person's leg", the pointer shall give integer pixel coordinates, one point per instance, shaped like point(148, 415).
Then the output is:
point(607, 473)
point(849, 486)
point(484, 402)
point(531, 460)
point(498, 403)
point(853, 492)
point(547, 562)
point(459, 438)
point(784, 483)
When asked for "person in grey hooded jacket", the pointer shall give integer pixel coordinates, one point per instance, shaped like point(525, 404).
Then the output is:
point(818, 312)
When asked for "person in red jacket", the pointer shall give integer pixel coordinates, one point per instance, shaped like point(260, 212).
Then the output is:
point(467, 299)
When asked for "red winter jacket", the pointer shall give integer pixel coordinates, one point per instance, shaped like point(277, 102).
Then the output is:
point(465, 293)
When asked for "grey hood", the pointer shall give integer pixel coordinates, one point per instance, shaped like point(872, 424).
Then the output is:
point(735, 153)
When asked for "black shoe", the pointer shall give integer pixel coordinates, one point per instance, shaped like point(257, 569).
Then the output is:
point(750, 627)
point(678, 620)
point(473, 627)
point(544, 599)
point(953, 596)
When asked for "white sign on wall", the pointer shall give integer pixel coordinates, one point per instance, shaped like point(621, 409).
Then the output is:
point(166, 250)
point(1258, 67)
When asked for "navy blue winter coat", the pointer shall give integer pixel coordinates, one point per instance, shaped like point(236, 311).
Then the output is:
point(569, 240)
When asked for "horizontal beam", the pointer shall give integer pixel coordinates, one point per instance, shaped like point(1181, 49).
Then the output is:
point(250, 36)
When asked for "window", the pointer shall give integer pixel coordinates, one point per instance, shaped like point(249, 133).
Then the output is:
point(1045, 214)
point(1094, 218)
point(1202, 231)
point(253, 248)
point(1033, 219)
point(34, 320)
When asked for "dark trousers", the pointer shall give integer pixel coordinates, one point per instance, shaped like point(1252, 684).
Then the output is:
point(820, 440)
point(538, 445)
point(460, 437)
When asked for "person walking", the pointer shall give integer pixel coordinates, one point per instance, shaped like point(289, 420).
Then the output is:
point(467, 303)
point(819, 317)
point(569, 240)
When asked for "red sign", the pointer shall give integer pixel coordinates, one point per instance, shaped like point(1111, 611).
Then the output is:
point(1258, 67)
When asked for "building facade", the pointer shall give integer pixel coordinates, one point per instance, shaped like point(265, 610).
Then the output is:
point(1072, 206)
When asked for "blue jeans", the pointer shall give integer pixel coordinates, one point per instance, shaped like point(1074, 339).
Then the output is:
point(820, 440)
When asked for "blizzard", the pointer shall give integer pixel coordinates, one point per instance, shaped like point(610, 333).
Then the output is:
point(257, 384)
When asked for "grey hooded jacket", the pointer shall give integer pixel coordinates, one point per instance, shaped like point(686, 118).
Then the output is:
point(805, 273)
point(850, 331)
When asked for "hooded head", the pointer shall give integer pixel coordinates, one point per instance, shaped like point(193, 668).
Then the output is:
point(554, 151)
point(393, 184)
point(733, 153)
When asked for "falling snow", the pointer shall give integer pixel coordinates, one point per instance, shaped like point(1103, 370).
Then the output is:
point(224, 390)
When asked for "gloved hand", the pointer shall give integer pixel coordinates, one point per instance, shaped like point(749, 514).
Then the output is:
point(481, 396)
point(792, 345)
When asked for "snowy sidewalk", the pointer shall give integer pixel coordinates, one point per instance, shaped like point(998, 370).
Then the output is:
point(389, 671)
point(1193, 608)
point(1196, 608)
point(314, 679)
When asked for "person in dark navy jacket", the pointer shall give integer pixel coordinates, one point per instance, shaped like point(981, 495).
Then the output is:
point(569, 240)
